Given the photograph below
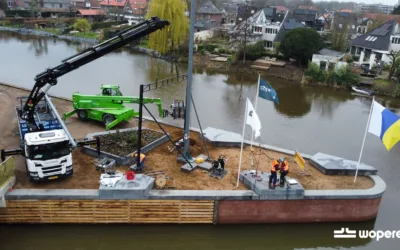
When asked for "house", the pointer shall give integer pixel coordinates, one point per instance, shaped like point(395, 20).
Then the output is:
point(136, 7)
point(280, 8)
point(245, 12)
point(91, 15)
point(306, 16)
point(362, 25)
point(202, 25)
point(209, 12)
point(118, 5)
point(288, 24)
point(328, 59)
point(345, 22)
point(229, 14)
point(376, 44)
point(264, 25)
point(78, 4)
point(15, 4)
point(381, 17)
point(51, 5)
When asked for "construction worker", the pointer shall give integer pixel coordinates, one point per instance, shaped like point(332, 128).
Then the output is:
point(139, 167)
point(284, 170)
point(273, 177)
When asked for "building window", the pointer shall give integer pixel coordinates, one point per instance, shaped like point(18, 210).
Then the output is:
point(60, 5)
point(322, 65)
point(268, 44)
point(340, 26)
point(395, 40)
point(353, 26)
point(10, 4)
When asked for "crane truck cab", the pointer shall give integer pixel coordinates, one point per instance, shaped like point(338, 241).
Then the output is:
point(48, 155)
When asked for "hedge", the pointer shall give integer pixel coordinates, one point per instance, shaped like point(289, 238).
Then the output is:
point(21, 13)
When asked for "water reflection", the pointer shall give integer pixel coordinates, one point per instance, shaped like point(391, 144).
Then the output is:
point(39, 46)
point(293, 101)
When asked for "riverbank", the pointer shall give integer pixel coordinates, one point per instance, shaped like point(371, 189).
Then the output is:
point(25, 31)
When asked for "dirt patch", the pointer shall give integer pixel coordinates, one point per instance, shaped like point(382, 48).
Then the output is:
point(161, 159)
point(124, 143)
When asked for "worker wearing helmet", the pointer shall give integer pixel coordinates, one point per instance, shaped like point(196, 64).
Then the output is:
point(284, 170)
point(273, 177)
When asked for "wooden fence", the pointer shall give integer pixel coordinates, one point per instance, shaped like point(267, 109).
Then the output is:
point(107, 211)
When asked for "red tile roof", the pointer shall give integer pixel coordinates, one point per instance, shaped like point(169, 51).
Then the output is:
point(138, 5)
point(86, 12)
point(382, 17)
point(281, 9)
point(117, 3)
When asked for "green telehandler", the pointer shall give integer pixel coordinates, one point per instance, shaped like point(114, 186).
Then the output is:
point(108, 107)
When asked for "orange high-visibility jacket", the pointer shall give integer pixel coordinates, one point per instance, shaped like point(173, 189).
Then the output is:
point(273, 166)
point(142, 156)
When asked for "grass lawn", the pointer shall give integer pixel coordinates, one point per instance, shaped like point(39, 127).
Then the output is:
point(382, 82)
point(87, 34)
point(55, 31)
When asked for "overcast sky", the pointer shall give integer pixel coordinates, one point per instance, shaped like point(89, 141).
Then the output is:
point(389, 2)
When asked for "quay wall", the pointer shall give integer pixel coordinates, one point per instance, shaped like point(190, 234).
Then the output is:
point(192, 206)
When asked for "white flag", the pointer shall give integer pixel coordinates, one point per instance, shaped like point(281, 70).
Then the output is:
point(252, 119)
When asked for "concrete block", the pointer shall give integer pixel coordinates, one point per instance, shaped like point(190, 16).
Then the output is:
point(128, 189)
point(219, 137)
point(53, 194)
point(332, 165)
point(206, 165)
point(260, 186)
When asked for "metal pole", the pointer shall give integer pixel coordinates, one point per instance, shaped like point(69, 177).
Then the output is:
point(71, 139)
point(241, 147)
point(189, 82)
point(365, 136)
point(139, 139)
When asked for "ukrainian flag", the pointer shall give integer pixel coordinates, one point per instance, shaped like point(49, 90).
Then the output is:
point(385, 124)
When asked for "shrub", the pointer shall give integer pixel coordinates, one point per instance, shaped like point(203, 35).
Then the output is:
point(315, 74)
point(20, 13)
point(103, 25)
point(82, 25)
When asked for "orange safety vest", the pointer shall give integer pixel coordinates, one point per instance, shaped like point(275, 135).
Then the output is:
point(142, 156)
point(273, 166)
point(285, 166)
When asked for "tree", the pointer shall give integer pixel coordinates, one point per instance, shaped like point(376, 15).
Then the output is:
point(3, 4)
point(165, 40)
point(34, 7)
point(394, 57)
point(82, 25)
point(301, 44)
point(340, 37)
point(396, 10)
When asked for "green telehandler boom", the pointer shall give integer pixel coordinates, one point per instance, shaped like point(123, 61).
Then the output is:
point(108, 107)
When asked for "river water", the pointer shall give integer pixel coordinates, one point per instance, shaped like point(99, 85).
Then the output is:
point(309, 119)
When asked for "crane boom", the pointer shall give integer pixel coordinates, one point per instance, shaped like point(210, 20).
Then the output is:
point(48, 78)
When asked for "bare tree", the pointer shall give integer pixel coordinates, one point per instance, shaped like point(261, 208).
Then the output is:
point(394, 57)
point(242, 31)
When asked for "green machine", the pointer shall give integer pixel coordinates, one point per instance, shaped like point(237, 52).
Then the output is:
point(108, 107)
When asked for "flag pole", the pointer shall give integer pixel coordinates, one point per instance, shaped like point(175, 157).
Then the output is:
point(365, 136)
point(255, 108)
point(241, 147)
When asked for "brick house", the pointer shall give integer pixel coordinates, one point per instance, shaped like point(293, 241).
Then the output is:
point(209, 13)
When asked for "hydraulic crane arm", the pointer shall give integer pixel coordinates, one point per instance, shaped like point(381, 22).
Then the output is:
point(48, 78)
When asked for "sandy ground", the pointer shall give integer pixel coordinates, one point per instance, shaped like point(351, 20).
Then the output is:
point(160, 159)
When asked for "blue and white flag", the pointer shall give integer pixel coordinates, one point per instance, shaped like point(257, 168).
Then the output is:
point(267, 92)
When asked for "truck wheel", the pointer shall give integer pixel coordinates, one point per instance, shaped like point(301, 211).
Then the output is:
point(107, 119)
point(82, 115)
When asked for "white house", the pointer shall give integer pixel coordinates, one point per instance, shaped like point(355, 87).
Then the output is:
point(376, 44)
point(328, 59)
point(264, 25)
